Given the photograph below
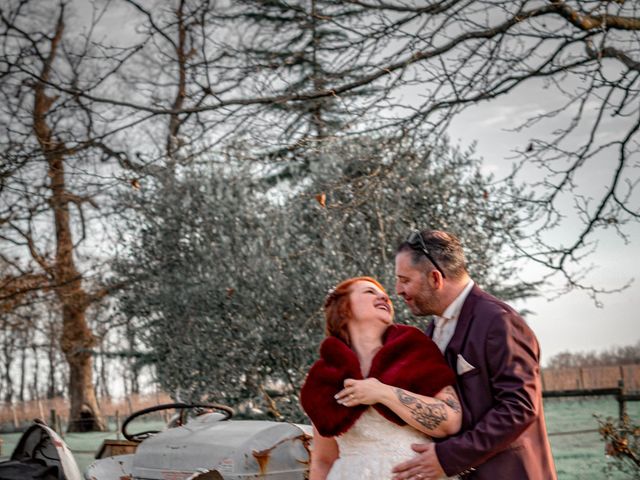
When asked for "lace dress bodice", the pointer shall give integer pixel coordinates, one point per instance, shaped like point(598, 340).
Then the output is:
point(372, 447)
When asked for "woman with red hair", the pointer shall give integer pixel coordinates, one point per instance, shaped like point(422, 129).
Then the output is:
point(376, 389)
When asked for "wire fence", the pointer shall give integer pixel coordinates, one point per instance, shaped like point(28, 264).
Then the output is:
point(589, 378)
point(622, 382)
point(55, 411)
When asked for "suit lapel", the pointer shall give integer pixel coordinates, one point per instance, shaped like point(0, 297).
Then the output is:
point(430, 327)
point(462, 327)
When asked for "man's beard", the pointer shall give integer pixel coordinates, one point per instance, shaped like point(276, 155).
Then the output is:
point(424, 304)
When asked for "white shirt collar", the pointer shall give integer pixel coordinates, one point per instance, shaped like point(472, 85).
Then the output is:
point(445, 326)
point(452, 312)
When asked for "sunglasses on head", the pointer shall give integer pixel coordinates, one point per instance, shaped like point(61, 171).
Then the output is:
point(416, 242)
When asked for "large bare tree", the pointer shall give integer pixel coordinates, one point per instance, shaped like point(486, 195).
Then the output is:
point(281, 74)
point(51, 183)
point(277, 77)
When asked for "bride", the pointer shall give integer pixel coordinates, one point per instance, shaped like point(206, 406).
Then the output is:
point(376, 389)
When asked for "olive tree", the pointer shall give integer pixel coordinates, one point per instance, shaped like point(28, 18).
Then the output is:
point(230, 277)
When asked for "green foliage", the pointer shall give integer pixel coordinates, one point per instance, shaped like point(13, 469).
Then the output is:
point(229, 275)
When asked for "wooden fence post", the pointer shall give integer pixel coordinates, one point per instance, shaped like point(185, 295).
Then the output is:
point(41, 410)
point(60, 429)
point(53, 420)
point(16, 424)
point(622, 410)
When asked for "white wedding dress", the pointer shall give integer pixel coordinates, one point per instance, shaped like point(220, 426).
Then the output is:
point(372, 447)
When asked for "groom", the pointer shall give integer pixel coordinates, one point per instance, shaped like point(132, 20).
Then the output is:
point(496, 358)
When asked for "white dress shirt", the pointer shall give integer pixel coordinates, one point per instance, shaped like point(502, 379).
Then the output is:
point(445, 325)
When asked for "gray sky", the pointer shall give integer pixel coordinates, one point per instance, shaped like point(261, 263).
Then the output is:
point(571, 321)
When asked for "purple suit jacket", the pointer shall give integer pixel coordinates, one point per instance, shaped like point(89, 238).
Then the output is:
point(503, 434)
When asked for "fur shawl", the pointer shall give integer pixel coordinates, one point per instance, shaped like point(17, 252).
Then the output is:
point(408, 359)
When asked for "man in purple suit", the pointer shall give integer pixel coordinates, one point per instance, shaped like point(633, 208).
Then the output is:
point(496, 359)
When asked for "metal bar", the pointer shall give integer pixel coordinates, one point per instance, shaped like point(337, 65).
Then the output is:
point(622, 407)
point(573, 432)
point(581, 393)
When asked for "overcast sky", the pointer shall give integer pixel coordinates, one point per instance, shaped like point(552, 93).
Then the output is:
point(571, 321)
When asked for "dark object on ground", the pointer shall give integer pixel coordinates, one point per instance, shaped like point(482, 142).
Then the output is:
point(29, 469)
point(40, 455)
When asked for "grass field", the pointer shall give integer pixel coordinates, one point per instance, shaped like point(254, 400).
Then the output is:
point(581, 456)
point(83, 445)
point(578, 456)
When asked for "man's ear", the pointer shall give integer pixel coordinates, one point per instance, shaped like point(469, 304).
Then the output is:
point(436, 278)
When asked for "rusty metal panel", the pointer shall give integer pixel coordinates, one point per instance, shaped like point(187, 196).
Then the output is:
point(208, 448)
point(111, 468)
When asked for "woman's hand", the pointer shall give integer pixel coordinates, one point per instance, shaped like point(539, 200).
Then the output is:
point(361, 392)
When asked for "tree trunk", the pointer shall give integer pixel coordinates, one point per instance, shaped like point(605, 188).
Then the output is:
point(84, 415)
point(76, 339)
point(23, 369)
point(35, 386)
point(51, 355)
point(104, 378)
point(134, 368)
point(7, 350)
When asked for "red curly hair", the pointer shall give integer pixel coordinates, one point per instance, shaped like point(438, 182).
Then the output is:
point(337, 308)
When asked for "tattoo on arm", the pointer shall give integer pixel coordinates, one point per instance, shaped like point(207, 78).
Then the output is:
point(429, 415)
point(450, 399)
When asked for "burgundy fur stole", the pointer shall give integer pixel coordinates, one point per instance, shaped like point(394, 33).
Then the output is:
point(408, 359)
